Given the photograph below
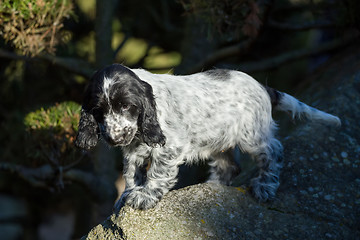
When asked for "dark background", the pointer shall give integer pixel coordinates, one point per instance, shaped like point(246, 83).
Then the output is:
point(279, 42)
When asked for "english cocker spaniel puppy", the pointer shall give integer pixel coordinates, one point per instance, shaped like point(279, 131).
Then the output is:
point(169, 120)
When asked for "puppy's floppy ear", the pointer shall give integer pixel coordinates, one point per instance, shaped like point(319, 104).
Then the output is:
point(87, 136)
point(148, 123)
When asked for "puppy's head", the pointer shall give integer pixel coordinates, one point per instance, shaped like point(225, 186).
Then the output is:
point(122, 107)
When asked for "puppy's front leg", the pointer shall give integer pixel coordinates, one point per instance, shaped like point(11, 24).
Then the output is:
point(161, 177)
point(134, 176)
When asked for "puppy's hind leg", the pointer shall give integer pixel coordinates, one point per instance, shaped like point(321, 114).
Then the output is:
point(223, 168)
point(269, 160)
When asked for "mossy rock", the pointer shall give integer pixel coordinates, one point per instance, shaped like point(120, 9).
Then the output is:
point(65, 115)
point(51, 133)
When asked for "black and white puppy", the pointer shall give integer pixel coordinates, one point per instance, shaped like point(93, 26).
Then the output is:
point(172, 120)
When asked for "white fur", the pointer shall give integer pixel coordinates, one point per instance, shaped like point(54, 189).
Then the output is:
point(298, 110)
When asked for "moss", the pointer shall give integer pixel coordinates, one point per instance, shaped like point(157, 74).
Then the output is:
point(50, 133)
point(65, 115)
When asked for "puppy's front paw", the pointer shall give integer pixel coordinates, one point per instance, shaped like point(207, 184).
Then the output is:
point(141, 198)
point(121, 202)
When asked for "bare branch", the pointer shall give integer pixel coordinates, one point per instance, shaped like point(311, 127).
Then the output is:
point(74, 65)
point(99, 187)
point(287, 57)
point(302, 6)
point(34, 176)
point(301, 26)
point(272, 62)
point(221, 54)
point(39, 177)
point(13, 56)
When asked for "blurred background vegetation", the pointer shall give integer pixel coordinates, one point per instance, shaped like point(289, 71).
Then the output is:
point(50, 48)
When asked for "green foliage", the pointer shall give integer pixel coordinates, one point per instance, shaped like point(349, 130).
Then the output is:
point(51, 133)
point(33, 26)
point(63, 115)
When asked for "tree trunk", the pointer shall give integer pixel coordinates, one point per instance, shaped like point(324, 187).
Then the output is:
point(103, 32)
point(105, 158)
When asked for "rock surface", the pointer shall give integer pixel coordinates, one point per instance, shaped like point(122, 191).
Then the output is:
point(319, 195)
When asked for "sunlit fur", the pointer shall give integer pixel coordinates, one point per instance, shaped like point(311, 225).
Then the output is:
point(172, 120)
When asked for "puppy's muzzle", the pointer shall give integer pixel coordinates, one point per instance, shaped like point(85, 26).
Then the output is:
point(121, 137)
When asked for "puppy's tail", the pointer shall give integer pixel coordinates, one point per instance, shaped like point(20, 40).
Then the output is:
point(298, 110)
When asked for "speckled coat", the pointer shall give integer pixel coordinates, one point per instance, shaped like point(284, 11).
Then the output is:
point(172, 120)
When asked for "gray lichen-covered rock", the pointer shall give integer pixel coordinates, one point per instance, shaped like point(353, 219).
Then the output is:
point(210, 211)
point(319, 195)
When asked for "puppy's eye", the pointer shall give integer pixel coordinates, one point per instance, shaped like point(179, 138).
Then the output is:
point(125, 107)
